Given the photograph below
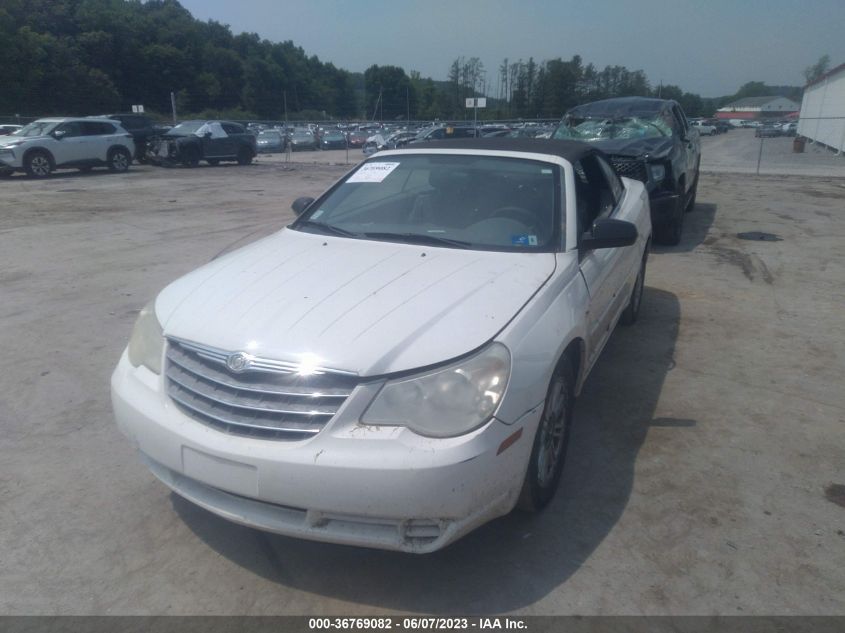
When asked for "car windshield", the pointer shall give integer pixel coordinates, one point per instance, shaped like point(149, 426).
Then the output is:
point(186, 128)
point(334, 136)
point(458, 201)
point(37, 128)
point(302, 135)
point(597, 129)
point(270, 135)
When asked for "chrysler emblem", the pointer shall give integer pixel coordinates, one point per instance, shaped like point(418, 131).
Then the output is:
point(238, 362)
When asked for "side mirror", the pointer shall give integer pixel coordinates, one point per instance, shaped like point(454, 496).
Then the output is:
point(608, 233)
point(58, 134)
point(300, 204)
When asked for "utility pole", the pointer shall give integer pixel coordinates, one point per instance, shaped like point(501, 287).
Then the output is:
point(407, 105)
point(378, 101)
point(285, 94)
point(173, 104)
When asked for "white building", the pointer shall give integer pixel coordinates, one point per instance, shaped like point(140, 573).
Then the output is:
point(757, 107)
point(823, 110)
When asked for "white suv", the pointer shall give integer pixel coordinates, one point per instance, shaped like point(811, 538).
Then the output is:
point(48, 144)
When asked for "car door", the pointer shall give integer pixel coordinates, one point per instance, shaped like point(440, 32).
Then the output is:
point(595, 200)
point(690, 146)
point(234, 134)
point(99, 136)
point(70, 143)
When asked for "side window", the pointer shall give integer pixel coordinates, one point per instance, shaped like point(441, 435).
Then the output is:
point(615, 184)
point(232, 128)
point(97, 129)
point(437, 134)
point(71, 129)
point(683, 124)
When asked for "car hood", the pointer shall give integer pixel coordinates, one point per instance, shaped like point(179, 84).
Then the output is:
point(9, 139)
point(655, 147)
point(356, 305)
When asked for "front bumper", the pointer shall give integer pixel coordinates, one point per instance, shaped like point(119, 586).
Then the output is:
point(9, 161)
point(382, 487)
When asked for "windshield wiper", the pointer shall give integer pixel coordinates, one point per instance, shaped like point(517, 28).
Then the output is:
point(326, 228)
point(419, 238)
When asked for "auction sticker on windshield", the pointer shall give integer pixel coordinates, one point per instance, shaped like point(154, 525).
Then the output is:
point(373, 172)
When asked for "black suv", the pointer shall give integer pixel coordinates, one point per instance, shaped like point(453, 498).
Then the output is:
point(212, 141)
point(141, 127)
point(649, 140)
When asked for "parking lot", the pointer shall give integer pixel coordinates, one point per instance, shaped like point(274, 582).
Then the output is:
point(705, 474)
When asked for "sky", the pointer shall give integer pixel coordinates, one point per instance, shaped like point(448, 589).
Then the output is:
point(709, 47)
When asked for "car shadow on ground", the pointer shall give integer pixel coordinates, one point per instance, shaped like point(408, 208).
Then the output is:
point(697, 223)
point(516, 560)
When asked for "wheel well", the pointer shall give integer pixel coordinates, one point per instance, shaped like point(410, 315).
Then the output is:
point(574, 355)
point(40, 150)
point(117, 147)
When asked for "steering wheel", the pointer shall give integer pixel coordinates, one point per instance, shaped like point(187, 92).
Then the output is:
point(520, 214)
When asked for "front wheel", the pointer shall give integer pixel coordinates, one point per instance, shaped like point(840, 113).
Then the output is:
point(669, 232)
point(632, 310)
point(549, 449)
point(38, 165)
point(119, 160)
point(190, 157)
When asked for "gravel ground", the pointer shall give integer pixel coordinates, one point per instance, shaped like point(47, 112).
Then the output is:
point(701, 477)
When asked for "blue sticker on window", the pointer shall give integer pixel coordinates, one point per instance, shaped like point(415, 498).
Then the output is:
point(524, 240)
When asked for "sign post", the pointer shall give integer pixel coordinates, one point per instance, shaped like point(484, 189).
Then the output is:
point(480, 102)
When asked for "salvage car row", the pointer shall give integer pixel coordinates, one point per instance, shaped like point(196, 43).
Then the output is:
point(650, 140)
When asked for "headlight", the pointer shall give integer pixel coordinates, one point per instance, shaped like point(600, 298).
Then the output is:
point(657, 172)
point(147, 343)
point(445, 402)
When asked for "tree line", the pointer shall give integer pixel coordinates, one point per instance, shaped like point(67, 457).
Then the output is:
point(93, 56)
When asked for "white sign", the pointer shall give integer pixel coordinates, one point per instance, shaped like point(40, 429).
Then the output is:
point(373, 172)
point(481, 102)
point(138, 109)
point(470, 103)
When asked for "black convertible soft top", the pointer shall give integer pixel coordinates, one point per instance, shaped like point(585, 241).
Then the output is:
point(571, 151)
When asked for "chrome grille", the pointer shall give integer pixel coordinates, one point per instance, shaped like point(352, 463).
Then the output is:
point(629, 167)
point(269, 399)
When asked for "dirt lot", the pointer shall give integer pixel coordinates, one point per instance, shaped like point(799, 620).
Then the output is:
point(737, 152)
point(701, 477)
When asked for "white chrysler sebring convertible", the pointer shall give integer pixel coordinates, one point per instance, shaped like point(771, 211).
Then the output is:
point(400, 364)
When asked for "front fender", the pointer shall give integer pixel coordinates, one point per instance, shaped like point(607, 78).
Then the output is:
point(553, 319)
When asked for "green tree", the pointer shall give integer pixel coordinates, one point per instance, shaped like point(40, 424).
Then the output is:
point(811, 73)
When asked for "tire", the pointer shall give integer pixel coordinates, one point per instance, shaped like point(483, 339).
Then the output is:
point(548, 452)
point(632, 310)
point(119, 160)
point(38, 164)
point(190, 157)
point(670, 233)
point(244, 156)
point(213, 162)
point(691, 202)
